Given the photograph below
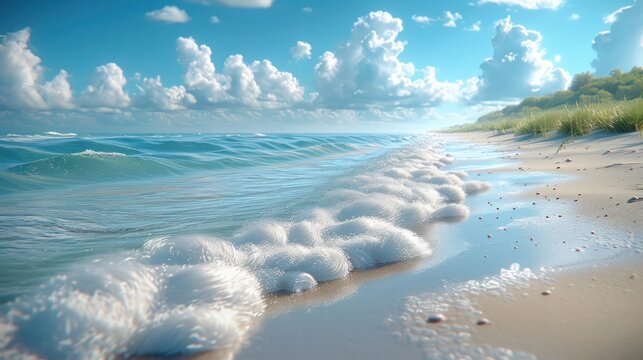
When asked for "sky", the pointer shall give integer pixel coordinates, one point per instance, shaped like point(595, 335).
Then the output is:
point(150, 66)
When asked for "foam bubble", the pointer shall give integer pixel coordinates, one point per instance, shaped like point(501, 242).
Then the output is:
point(89, 152)
point(89, 313)
point(451, 193)
point(451, 212)
point(475, 187)
point(272, 232)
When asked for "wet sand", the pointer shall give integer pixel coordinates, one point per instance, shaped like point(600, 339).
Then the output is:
point(536, 218)
point(593, 311)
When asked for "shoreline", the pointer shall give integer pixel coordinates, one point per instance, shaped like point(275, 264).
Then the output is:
point(592, 310)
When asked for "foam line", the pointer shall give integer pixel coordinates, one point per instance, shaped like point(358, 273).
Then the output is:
point(187, 294)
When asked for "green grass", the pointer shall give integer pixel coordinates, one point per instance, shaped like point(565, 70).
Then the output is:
point(620, 117)
point(541, 123)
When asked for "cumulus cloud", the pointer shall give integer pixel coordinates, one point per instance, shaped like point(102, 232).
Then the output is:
point(622, 46)
point(259, 84)
point(152, 95)
point(474, 27)
point(214, 19)
point(106, 89)
point(527, 4)
point(57, 93)
point(307, 9)
point(301, 50)
point(518, 67)
point(574, 17)
point(237, 3)
point(169, 14)
point(200, 76)
point(21, 77)
point(451, 19)
point(366, 71)
point(421, 19)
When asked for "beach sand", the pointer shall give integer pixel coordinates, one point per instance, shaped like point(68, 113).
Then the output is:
point(594, 311)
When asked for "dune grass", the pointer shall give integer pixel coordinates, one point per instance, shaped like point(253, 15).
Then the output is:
point(620, 117)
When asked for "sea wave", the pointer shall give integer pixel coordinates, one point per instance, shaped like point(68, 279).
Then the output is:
point(90, 152)
point(191, 293)
point(46, 163)
point(35, 137)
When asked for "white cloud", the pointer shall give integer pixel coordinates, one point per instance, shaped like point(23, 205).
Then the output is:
point(622, 46)
point(557, 58)
point(277, 87)
point(574, 17)
point(237, 3)
point(613, 16)
point(57, 92)
point(307, 9)
point(527, 4)
point(421, 19)
point(301, 50)
point(259, 84)
point(518, 67)
point(169, 14)
point(106, 89)
point(214, 19)
point(474, 27)
point(366, 71)
point(199, 76)
point(451, 19)
point(21, 74)
point(152, 95)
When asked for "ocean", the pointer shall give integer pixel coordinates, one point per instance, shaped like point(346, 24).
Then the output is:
point(168, 244)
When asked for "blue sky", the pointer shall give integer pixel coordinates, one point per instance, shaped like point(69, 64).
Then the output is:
point(374, 77)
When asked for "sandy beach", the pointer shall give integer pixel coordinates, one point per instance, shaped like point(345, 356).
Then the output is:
point(572, 217)
point(591, 311)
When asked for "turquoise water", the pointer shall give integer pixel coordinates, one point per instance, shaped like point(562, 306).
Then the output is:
point(167, 245)
point(65, 197)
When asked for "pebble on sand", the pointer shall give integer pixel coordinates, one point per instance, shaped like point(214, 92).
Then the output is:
point(568, 160)
point(483, 321)
point(437, 318)
point(489, 236)
point(593, 232)
point(546, 292)
point(634, 199)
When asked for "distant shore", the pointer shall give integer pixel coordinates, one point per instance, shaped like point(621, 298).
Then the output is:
point(588, 312)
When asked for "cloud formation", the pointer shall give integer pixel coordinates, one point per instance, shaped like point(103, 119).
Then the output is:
point(237, 3)
point(518, 67)
point(527, 4)
point(367, 72)
point(622, 46)
point(475, 27)
point(152, 95)
point(106, 89)
point(301, 50)
point(169, 14)
point(21, 77)
point(421, 19)
point(259, 84)
point(451, 19)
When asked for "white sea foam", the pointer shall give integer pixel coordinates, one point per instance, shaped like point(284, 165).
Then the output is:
point(58, 134)
point(453, 340)
point(35, 137)
point(89, 152)
point(191, 293)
